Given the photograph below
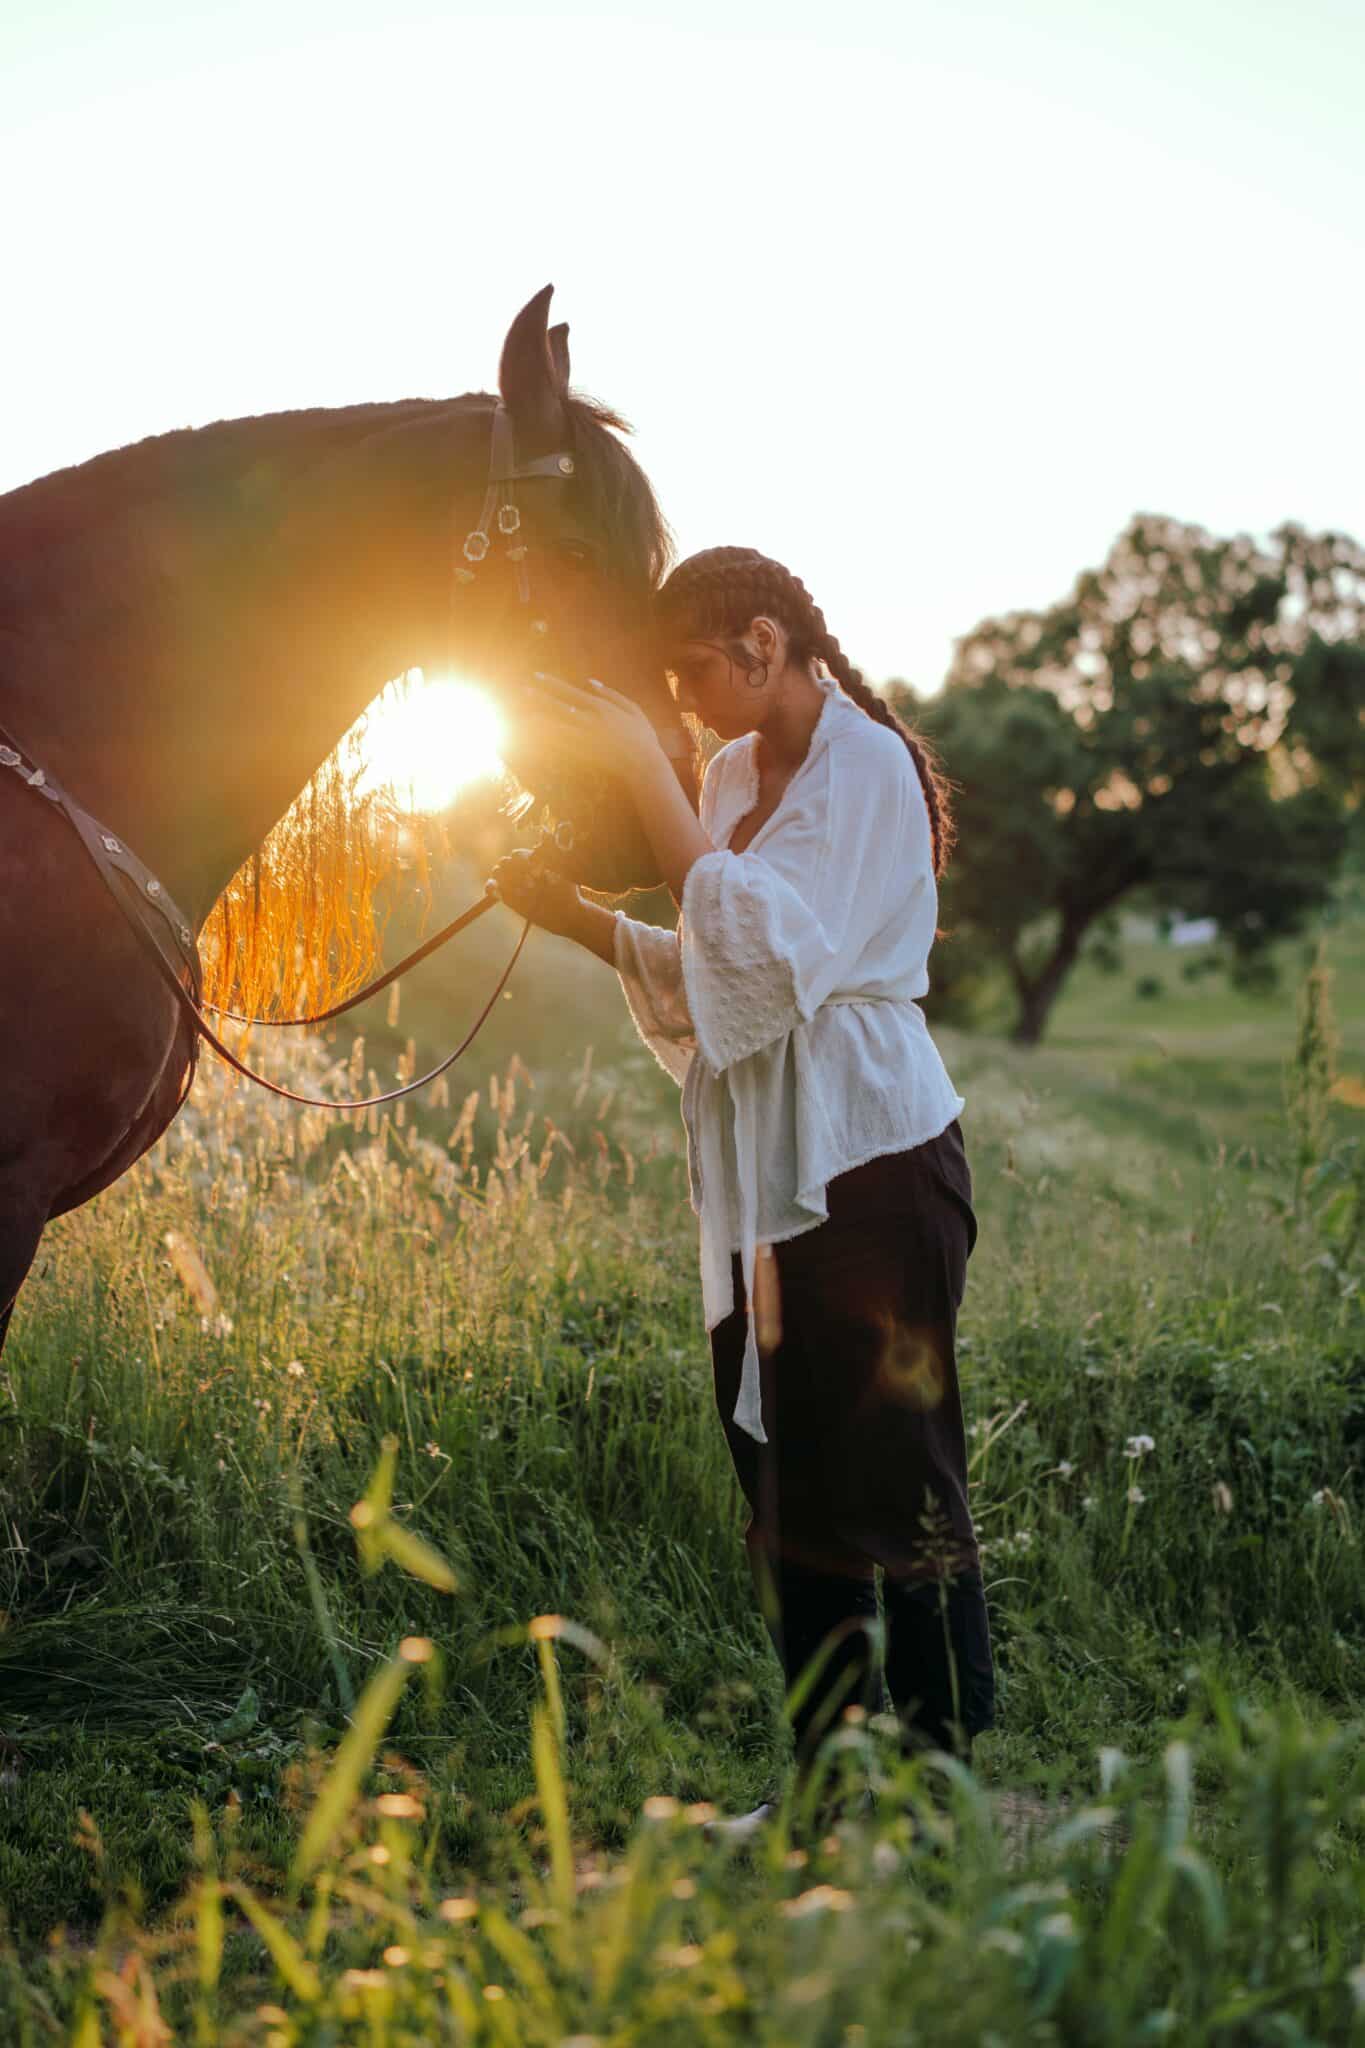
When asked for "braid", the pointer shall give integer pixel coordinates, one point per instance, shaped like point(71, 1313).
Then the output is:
point(720, 590)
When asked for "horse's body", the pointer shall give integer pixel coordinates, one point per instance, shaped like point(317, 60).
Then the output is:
point(186, 629)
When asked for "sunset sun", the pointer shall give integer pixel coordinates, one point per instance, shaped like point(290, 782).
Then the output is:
point(425, 739)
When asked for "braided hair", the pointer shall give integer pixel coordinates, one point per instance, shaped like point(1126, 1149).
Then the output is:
point(719, 591)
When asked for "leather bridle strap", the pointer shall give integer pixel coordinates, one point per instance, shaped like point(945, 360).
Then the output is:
point(170, 944)
point(172, 980)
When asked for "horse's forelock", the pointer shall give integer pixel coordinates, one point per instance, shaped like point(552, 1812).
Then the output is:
point(617, 496)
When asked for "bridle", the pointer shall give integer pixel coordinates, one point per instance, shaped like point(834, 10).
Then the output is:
point(166, 934)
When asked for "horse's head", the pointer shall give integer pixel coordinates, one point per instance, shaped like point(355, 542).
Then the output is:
point(557, 572)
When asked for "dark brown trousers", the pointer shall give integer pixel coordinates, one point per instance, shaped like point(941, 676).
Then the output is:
point(866, 1460)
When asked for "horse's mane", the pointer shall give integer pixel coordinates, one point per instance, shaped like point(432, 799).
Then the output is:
point(69, 503)
point(298, 927)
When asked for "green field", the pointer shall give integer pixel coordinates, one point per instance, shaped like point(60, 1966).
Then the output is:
point(1162, 1838)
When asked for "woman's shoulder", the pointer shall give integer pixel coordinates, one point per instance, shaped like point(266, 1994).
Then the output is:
point(728, 757)
point(729, 771)
point(877, 753)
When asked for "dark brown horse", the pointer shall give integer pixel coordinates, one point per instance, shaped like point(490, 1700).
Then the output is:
point(187, 627)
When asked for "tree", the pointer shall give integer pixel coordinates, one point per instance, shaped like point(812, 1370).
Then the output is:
point(1189, 722)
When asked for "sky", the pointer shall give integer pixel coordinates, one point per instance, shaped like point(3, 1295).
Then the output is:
point(926, 300)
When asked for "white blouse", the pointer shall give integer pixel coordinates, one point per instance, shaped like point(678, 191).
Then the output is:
point(785, 1001)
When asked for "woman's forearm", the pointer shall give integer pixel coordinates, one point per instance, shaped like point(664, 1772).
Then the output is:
point(595, 928)
point(670, 824)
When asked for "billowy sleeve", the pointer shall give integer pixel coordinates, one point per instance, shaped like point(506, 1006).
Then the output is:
point(763, 945)
point(649, 961)
point(648, 958)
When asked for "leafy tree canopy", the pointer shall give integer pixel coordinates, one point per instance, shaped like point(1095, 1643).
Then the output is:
point(1189, 722)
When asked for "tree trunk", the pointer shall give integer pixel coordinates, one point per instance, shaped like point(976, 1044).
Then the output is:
point(1037, 994)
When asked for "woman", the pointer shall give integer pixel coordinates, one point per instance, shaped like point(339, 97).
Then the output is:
point(825, 1156)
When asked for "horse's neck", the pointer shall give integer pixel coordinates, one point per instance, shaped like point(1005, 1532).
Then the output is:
point(185, 662)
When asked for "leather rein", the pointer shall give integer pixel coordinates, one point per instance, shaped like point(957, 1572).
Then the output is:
point(166, 934)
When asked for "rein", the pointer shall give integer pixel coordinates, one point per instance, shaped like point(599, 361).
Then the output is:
point(169, 940)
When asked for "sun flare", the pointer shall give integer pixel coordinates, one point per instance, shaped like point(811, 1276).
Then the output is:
point(426, 739)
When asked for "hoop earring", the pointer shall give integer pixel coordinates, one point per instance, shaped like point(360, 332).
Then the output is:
point(763, 679)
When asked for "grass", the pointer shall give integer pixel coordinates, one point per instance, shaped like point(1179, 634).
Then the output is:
point(199, 1386)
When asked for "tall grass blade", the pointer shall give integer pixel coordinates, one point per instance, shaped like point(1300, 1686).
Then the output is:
point(353, 1759)
point(288, 1958)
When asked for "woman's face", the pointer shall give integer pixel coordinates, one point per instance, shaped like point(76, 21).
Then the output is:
point(729, 692)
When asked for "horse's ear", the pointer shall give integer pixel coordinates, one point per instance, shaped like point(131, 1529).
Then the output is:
point(559, 355)
point(528, 375)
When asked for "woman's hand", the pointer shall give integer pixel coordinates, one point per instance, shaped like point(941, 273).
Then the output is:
point(605, 730)
point(591, 724)
point(548, 899)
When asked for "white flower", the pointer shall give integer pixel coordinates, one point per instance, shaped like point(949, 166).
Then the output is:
point(1065, 1469)
point(1319, 1497)
point(1088, 1502)
point(1138, 1446)
point(1136, 1496)
point(295, 1368)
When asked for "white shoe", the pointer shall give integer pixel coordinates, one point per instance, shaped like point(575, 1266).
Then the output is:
point(742, 1827)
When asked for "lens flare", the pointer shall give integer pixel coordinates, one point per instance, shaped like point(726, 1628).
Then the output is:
point(425, 739)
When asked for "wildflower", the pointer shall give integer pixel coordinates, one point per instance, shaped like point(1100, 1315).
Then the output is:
point(1065, 1469)
point(661, 1807)
point(821, 1898)
point(396, 1956)
point(1138, 1446)
point(1319, 1497)
point(417, 1649)
point(1136, 1496)
point(398, 1806)
point(1088, 1502)
point(458, 1909)
point(295, 1368)
point(433, 1450)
